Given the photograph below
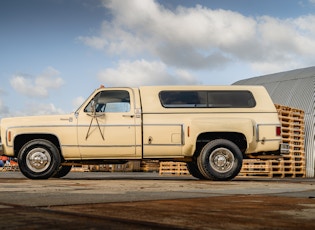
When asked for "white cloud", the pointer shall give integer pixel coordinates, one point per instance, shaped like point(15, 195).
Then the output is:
point(77, 102)
point(186, 38)
point(142, 72)
point(201, 38)
point(284, 44)
point(30, 109)
point(35, 108)
point(38, 86)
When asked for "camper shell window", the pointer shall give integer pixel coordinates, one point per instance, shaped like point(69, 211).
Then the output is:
point(207, 99)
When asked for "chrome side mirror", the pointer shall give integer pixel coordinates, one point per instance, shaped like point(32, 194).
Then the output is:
point(93, 106)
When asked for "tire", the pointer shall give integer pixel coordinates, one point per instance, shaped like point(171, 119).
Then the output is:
point(194, 170)
point(39, 159)
point(220, 160)
point(62, 171)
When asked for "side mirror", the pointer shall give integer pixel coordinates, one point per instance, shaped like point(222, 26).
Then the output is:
point(93, 106)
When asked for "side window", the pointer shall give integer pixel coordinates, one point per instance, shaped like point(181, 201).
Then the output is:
point(110, 101)
point(183, 99)
point(231, 99)
point(207, 99)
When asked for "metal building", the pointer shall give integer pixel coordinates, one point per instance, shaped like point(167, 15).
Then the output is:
point(296, 89)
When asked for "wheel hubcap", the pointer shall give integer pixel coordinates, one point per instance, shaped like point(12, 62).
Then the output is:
point(221, 160)
point(38, 160)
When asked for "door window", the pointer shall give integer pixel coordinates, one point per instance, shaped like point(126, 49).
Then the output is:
point(109, 101)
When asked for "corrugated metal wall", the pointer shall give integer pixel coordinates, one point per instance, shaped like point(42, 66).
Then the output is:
point(296, 89)
point(309, 144)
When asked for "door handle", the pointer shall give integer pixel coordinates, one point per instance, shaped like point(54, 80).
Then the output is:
point(128, 116)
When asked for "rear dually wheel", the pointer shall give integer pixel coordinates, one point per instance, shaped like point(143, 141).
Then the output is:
point(220, 159)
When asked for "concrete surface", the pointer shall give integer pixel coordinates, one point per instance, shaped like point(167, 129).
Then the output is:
point(149, 201)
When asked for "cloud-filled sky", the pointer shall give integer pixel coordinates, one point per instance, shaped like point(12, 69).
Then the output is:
point(54, 53)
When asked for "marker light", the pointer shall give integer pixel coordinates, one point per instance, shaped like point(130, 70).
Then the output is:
point(278, 130)
point(9, 136)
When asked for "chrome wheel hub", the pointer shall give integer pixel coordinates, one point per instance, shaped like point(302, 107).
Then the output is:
point(38, 160)
point(221, 160)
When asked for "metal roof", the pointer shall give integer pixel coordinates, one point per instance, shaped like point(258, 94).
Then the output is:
point(293, 88)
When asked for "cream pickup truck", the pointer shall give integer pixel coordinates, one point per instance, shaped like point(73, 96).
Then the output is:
point(211, 128)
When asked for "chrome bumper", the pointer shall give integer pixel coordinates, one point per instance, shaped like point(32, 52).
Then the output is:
point(284, 148)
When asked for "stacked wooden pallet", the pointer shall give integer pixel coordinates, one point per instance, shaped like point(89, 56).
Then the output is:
point(149, 166)
point(173, 168)
point(293, 163)
point(10, 165)
point(256, 167)
point(293, 126)
point(81, 168)
point(10, 168)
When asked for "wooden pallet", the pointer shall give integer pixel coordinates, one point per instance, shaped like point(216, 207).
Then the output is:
point(10, 168)
point(82, 168)
point(256, 168)
point(293, 126)
point(173, 168)
point(150, 166)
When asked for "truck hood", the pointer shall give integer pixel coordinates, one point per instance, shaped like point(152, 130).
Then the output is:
point(36, 120)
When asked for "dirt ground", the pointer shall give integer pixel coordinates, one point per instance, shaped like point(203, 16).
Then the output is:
point(225, 212)
point(149, 201)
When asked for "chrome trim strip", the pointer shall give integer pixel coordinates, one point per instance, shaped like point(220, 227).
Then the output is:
point(271, 140)
point(162, 144)
point(69, 146)
point(206, 112)
point(111, 125)
point(74, 126)
point(107, 146)
point(162, 124)
point(183, 135)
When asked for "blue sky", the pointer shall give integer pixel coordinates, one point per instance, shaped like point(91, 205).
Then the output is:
point(54, 53)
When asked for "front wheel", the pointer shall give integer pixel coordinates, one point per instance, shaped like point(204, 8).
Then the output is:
point(62, 171)
point(220, 160)
point(39, 159)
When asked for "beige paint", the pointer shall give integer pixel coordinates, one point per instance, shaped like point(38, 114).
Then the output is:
point(159, 132)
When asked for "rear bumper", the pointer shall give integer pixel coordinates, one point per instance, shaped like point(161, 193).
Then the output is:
point(284, 148)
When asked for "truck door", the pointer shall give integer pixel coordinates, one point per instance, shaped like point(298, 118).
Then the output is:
point(106, 126)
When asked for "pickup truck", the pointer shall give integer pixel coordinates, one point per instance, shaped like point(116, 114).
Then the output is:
point(211, 128)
